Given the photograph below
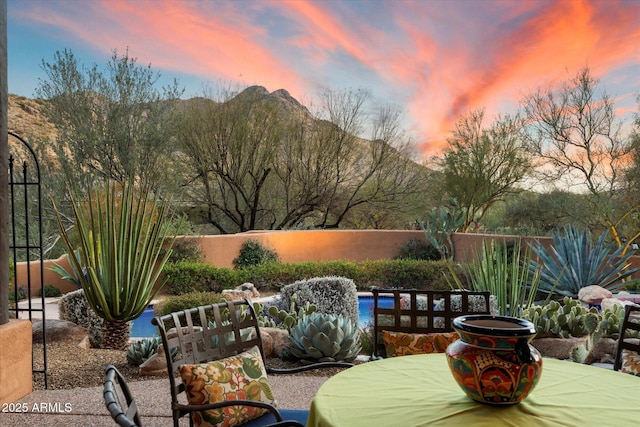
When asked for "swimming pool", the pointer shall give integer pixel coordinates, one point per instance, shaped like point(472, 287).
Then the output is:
point(142, 327)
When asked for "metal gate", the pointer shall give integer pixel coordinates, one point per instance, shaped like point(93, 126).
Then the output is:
point(25, 241)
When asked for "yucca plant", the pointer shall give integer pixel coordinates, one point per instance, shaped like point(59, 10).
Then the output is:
point(573, 261)
point(505, 273)
point(120, 235)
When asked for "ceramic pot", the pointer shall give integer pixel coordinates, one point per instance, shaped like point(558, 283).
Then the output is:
point(492, 361)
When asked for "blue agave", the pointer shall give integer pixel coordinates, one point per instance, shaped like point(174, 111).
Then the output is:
point(573, 262)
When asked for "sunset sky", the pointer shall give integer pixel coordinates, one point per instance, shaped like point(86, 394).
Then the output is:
point(434, 59)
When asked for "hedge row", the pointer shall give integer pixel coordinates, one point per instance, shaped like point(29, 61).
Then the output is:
point(186, 277)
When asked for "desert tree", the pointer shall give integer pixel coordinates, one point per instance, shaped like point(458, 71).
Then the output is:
point(372, 174)
point(112, 122)
point(262, 160)
point(229, 140)
point(574, 132)
point(482, 166)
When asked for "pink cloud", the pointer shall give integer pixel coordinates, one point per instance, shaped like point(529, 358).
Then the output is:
point(438, 59)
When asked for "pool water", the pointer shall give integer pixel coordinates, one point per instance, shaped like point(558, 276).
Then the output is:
point(365, 308)
point(142, 327)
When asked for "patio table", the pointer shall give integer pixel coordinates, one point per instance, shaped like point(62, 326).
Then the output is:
point(419, 390)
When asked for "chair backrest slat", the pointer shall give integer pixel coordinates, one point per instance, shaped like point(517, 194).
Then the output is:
point(421, 311)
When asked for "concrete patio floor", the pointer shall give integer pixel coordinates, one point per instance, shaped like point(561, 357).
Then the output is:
point(85, 407)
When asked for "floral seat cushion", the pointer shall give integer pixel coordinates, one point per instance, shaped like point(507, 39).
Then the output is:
point(404, 344)
point(241, 377)
point(630, 362)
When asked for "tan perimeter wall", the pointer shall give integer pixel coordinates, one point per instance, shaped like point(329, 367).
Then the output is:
point(16, 377)
point(299, 246)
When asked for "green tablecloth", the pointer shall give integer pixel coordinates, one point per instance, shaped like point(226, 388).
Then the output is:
point(420, 391)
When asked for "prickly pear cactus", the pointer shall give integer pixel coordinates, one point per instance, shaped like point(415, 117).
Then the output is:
point(325, 338)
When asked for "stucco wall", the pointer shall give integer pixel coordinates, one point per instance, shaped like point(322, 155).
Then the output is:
point(16, 377)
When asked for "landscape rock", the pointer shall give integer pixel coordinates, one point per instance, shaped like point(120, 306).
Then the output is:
point(557, 348)
point(85, 344)
point(156, 365)
point(58, 330)
point(246, 290)
point(279, 338)
point(267, 344)
point(593, 294)
point(602, 352)
point(608, 303)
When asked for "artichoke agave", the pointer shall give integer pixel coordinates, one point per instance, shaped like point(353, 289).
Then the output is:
point(140, 351)
point(324, 337)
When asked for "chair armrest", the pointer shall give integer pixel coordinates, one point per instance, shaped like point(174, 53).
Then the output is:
point(286, 424)
point(205, 407)
point(309, 367)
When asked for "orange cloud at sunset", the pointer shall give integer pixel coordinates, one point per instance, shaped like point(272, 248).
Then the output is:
point(435, 59)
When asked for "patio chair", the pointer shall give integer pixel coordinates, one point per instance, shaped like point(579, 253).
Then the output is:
point(118, 399)
point(218, 333)
point(425, 315)
point(630, 322)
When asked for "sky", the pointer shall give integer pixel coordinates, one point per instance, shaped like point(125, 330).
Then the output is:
point(435, 60)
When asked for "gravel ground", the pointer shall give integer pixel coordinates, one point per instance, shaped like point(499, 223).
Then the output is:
point(69, 366)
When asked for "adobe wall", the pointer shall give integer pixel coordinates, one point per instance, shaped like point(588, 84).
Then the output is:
point(299, 246)
point(16, 377)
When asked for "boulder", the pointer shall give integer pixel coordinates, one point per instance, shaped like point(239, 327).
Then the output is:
point(267, 345)
point(603, 351)
point(593, 294)
point(156, 365)
point(58, 330)
point(608, 303)
point(246, 290)
point(279, 338)
point(558, 348)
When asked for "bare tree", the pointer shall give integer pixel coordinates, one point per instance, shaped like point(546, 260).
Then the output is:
point(264, 161)
point(575, 134)
point(482, 166)
point(376, 172)
point(231, 144)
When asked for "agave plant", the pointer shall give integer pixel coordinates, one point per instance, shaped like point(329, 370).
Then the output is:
point(139, 351)
point(573, 262)
point(324, 337)
point(120, 234)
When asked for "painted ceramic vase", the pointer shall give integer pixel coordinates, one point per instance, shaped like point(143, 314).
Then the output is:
point(492, 361)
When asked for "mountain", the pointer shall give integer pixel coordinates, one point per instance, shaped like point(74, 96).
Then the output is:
point(26, 119)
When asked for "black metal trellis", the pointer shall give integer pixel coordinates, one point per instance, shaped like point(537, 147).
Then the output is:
point(25, 189)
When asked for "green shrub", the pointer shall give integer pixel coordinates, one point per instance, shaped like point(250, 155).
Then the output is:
point(331, 295)
point(51, 291)
point(183, 277)
point(188, 300)
point(417, 249)
point(185, 250)
point(74, 307)
point(366, 339)
point(186, 277)
point(22, 294)
point(254, 253)
point(632, 285)
point(12, 270)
